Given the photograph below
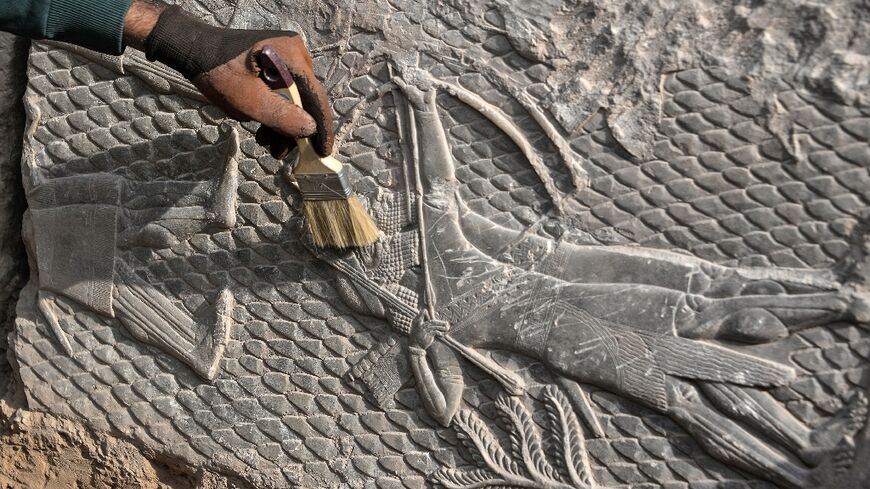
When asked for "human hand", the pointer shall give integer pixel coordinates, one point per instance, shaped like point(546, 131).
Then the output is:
point(424, 330)
point(223, 64)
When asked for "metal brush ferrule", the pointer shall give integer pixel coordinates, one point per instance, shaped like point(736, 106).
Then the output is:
point(323, 186)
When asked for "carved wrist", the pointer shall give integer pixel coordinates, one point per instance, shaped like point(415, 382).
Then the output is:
point(449, 376)
point(417, 351)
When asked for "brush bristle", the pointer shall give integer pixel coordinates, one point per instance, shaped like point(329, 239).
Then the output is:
point(340, 223)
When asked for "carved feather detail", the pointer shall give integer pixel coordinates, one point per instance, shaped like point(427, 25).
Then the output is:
point(497, 469)
point(525, 439)
point(463, 479)
point(482, 444)
point(570, 444)
point(694, 359)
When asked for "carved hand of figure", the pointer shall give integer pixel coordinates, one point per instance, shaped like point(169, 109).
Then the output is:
point(424, 330)
point(415, 95)
point(222, 64)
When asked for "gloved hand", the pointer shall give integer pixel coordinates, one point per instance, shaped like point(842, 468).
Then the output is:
point(222, 63)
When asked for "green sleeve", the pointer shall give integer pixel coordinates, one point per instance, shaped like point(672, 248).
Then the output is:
point(94, 24)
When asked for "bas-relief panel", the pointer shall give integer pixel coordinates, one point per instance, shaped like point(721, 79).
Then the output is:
point(687, 319)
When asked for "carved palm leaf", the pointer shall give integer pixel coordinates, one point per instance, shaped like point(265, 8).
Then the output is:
point(568, 437)
point(482, 444)
point(450, 478)
point(525, 439)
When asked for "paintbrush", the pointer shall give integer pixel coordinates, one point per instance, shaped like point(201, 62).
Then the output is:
point(335, 216)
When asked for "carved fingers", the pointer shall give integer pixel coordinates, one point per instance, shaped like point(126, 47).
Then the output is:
point(858, 298)
point(412, 94)
point(424, 330)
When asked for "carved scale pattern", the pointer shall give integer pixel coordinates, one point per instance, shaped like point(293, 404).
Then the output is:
point(280, 412)
point(723, 186)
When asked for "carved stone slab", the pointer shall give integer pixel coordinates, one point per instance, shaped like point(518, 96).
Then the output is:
point(640, 249)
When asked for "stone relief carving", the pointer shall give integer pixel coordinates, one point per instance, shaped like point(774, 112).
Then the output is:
point(629, 320)
point(674, 362)
point(528, 465)
point(78, 222)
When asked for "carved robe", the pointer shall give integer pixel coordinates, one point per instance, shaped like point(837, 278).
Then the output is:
point(74, 233)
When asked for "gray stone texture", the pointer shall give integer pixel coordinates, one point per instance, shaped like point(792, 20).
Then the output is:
point(737, 133)
point(13, 261)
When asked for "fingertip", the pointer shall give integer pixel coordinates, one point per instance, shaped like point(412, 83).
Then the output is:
point(309, 127)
